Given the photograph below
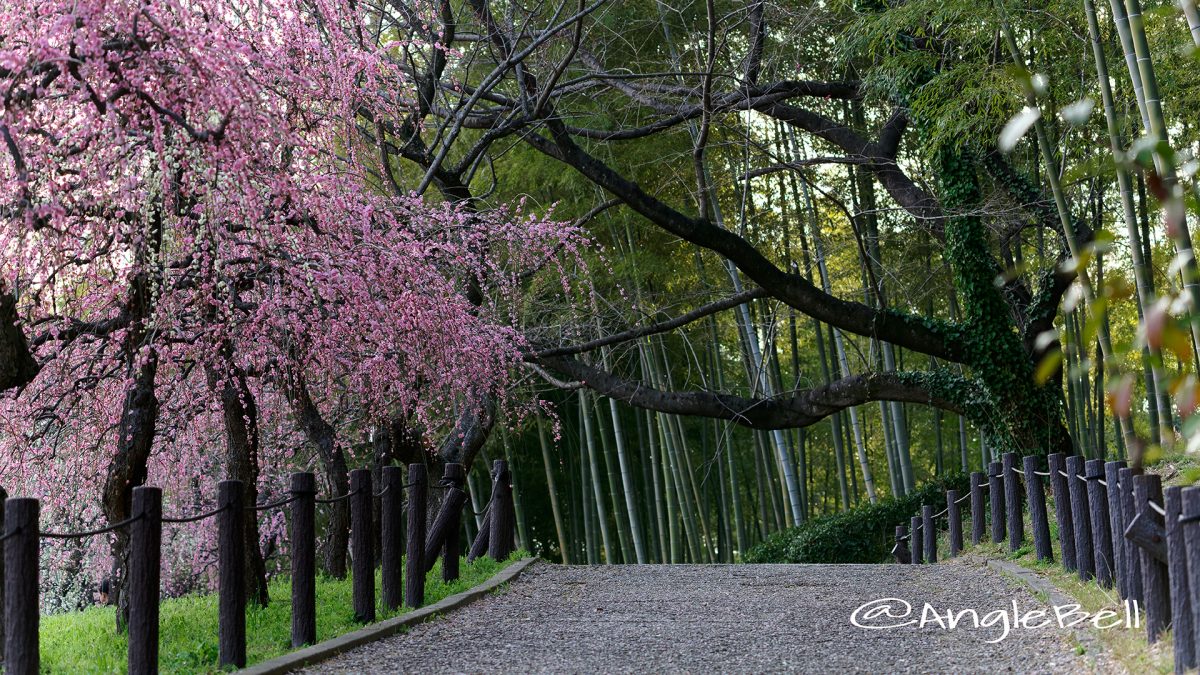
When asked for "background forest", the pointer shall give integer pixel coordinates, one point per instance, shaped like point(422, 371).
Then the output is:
point(701, 271)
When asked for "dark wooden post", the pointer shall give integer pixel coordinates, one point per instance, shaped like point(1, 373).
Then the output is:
point(1190, 526)
point(1012, 501)
point(21, 587)
point(1181, 599)
point(391, 513)
point(954, 522)
point(1062, 509)
point(453, 476)
point(978, 481)
point(445, 527)
point(918, 553)
point(929, 531)
point(1039, 522)
point(1148, 488)
point(231, 602)
point(1093, 471)
point(1116, 525)
point(1080, 518)
point(145, 556)
point(996, 488)
point(1129, 511)
point(418, 512)
point(304, 559)
point(362, 545)
point(900, 551)
point(500, 541)
point(480, 545)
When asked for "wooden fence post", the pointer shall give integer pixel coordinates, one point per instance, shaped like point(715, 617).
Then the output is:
point(978, 481)
point(1190, 522)
point(1062, 509)
point(145, 556)
point(362, 545)
point(1039, 522)
point(304, 559)
point(1012, 501)
point(996, 488)
point(1133, 557)
point(1084, 554)
point(1093, 471)
point(929, 531)
point(1116, 525)
point(231, 602)
point(480, 545)
point(418, 512)
point(954, 522)
point(21, 587)
point(1181, 598)
point(503, 524)
point(1148, 488)
point(454, 476)
point(900, 551)
point(914, 526)
point(391, 511)
point(445, 527)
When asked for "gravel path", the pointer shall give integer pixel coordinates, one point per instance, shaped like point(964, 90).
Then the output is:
point(717, 618)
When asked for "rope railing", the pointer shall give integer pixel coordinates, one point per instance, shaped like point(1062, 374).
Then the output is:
point(339, 498)
point(196, 517)
point(1114, 526)
point(92, 533)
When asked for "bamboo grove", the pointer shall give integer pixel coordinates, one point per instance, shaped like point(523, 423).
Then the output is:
point(1068, 132)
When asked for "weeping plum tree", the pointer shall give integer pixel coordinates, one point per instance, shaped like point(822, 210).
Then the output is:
point(198, 253)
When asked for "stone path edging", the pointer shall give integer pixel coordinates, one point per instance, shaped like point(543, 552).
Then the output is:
point(332, 647)
point(1054, 596)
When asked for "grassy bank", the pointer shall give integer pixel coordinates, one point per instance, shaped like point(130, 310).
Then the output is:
point(85, 642)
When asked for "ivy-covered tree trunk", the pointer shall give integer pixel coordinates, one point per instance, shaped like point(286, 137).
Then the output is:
point(1027, 415)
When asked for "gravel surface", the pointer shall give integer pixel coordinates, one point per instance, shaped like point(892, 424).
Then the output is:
point(723, 618)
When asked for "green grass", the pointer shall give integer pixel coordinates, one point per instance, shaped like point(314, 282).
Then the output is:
point(86, 641)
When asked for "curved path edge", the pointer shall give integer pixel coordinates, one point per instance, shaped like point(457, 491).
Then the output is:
point(377, 631)
point(1054, 596)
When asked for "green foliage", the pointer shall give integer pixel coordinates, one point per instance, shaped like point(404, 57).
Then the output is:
point(87, 642)
point(861, 535)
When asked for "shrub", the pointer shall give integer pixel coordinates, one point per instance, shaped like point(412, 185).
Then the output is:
point(864, 534)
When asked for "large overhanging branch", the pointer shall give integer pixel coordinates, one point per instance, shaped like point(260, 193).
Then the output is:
point(654, 329)
point(787, 411)
point(905, 330)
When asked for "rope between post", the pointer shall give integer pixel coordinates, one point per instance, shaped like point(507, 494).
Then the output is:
point(91, 533)
point(267, 507)
point(198, 516)
point(1158, 509)
point(332, 500)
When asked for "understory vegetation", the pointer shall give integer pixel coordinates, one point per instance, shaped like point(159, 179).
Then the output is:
point(863, 534)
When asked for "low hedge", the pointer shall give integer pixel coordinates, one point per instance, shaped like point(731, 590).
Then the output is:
point(864, 534)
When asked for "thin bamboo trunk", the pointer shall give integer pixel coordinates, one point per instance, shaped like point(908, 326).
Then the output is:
point(551, 487)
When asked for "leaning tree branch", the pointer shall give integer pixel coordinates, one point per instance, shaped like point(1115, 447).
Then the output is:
point(912, 332)
point(653, 329)
point(795, 409)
